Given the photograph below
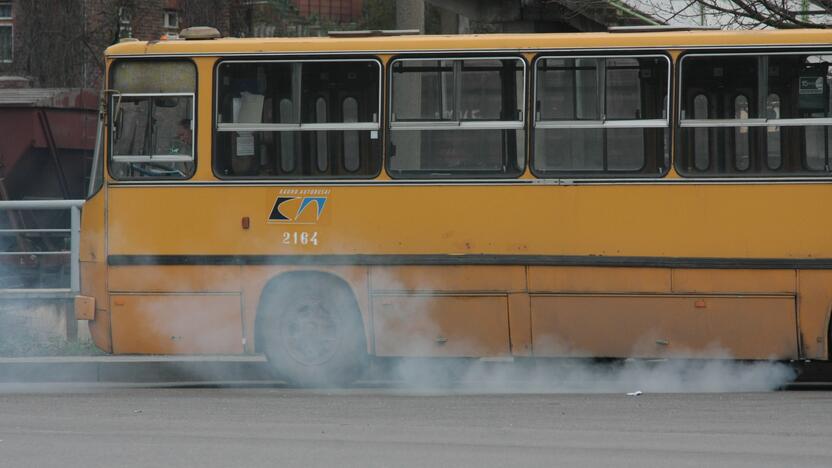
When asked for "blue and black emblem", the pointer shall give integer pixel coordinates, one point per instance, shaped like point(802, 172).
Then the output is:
point(291, 209)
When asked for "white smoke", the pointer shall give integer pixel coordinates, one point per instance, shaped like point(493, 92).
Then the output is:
point(588, 376)
point(407, 334)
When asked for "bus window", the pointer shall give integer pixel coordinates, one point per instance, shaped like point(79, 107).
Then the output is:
point(152, 119)
point(586, 90)
point(600, 116)
point(97, 166)
point(320, 142)
point(285, 119)
point(483, 94)
point(287, 146)
point(351, 139)
point(625, 148)
point(815, 148)
point(460, 117)
point(430, 82)
point(769, 114)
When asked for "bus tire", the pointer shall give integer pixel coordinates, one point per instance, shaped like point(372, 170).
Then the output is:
point(311, 331)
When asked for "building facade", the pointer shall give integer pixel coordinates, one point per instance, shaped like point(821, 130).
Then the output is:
point(7, 12)
point(70, 55)
point(336, 11)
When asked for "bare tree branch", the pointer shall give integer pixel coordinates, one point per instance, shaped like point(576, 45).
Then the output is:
point(725, 13)
point(742, 13)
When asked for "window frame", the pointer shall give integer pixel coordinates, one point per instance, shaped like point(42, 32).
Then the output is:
point(11, 10)
point(457, 123)
point(759, 122)
point(167, 15)
point(108, 157)
point(602, 123)
point(300, 126)
point(97, 171)
point(217, 127)
point(10, 26)
point(126, 158)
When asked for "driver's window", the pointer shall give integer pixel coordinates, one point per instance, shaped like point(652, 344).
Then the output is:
point(152, 119)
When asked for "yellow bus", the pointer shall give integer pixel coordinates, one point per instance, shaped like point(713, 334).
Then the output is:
point(325, 201)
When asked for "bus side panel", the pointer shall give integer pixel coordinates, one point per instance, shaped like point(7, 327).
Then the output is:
point(93, 284)
point(448, 278)
point(454, 310)
point(735, 281)
point(599, 279)
point(707, 222)
point(93, 267)
point(175, 278)
point(92, 230)
point(448, 326)
point(739, 327)
point(814, 304)
point(176, 324)
point(520, 324)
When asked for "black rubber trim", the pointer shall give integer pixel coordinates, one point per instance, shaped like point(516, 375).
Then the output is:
point(535, 260)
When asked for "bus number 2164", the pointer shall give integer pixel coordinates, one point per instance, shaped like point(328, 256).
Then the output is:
point(300, 238)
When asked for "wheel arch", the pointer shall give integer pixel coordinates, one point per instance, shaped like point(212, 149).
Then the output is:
point(828, 337)
point(312, 277)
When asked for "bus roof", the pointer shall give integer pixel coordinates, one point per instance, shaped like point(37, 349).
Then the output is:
point(483, 42)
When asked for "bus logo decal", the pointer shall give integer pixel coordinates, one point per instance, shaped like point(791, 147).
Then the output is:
point(292, 212)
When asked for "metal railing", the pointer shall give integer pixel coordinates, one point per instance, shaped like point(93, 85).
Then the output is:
point(18, 229)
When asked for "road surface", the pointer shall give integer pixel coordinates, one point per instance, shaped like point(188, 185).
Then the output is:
point(109, 425)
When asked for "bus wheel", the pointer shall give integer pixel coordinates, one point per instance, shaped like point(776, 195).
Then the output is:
point(311, 331)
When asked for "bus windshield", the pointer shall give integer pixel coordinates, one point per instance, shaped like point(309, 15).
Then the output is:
point(154, 126)
point(152, 119)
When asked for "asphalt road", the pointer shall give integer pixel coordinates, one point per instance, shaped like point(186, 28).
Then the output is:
point(107, 426)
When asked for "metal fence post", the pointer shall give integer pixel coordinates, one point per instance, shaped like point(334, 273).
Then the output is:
point(75, 248)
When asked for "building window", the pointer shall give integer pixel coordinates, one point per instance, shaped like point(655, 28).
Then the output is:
point(6, 32)
point(5, 43)
point(171, 19)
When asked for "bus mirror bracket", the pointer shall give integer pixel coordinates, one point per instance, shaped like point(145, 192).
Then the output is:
point(116, 96)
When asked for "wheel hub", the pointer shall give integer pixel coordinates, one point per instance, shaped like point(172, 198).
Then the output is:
point(310, 332)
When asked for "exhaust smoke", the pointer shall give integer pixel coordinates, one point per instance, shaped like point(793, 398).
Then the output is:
point(590, 376)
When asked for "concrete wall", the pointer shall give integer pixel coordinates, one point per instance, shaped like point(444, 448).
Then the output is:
point(31, 326)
